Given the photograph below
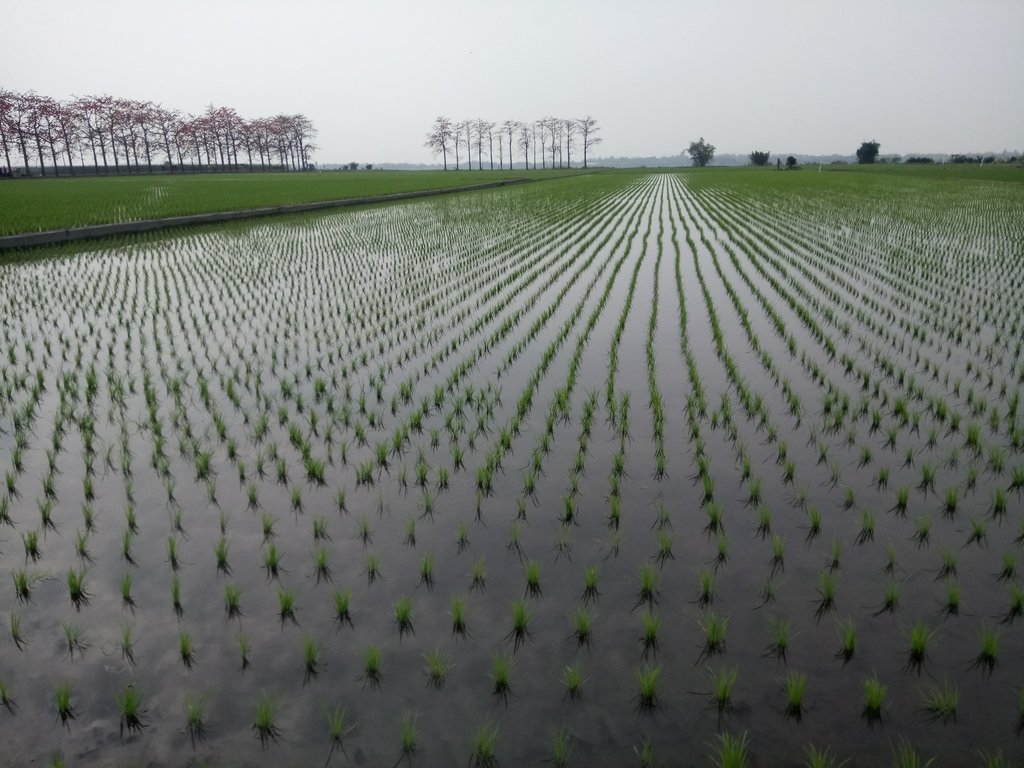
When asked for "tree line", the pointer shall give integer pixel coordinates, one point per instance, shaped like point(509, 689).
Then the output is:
point(551, 139)
point(115, 135)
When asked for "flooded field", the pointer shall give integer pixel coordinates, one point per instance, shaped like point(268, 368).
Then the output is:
point(619, 469)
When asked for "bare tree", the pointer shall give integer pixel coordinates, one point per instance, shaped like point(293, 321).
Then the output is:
point(286, 141)
point(588, 134)
point(460, 131)
point(191, 131)
point(259, 132)
point(535, 124)
point(52, 136)
point(20, 117)
point(90, 127)
point(569, 129)
point(553, 127)
point(216, 122)
point(164, 123)
point(136, 133)
point(466, 127)
point(556, 139)
point(216, 131)
point(65, 121)
point(309, 149)
point(143, 121)
point(304, 132)
point(439, 137)
point(248, 140)
point(37, 107)
point(131, 136)
point(480, 131)
point(525, 141)
point(109, 119)
point(7, 127)
point(542, 126)
point(490, 126)
point(510, 127)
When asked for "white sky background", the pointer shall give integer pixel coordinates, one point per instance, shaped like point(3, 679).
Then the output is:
point(790, 76)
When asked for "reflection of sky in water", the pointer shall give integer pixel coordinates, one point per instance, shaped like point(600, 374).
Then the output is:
point(365, 301)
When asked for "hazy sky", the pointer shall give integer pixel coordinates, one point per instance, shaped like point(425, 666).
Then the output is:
point(807, 76)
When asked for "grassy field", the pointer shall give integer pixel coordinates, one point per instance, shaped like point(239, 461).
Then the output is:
point(934, 171)
point(702, 468)
point(865, 181)
point(33, 205)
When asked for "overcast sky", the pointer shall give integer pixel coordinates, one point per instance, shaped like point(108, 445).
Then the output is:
point(790, 76)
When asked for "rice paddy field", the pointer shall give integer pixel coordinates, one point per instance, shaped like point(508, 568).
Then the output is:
point(684, 469)
point(32, 205)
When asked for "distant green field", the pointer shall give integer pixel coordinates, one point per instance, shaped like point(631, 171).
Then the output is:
point(34, 205)
point(936, 171)
point(889, 190)
point(868, 175)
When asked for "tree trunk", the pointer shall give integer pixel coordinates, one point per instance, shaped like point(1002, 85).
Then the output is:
point(39, 153)
point(103, 151)
point(67, 148)
point(24, 150)
point(113, 151)
point(7, 150)
point(130, 155)
point(167, 151)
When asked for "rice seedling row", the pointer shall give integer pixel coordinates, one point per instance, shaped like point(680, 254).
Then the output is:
point(608, 452)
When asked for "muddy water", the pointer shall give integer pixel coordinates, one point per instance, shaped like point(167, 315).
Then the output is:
point(210, 305)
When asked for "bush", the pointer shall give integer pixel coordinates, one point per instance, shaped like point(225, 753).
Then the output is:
point(758, 157)
point(868, 152)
